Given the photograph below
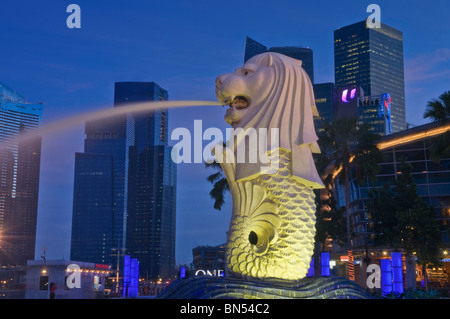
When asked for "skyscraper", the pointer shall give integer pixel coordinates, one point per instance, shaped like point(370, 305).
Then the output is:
point(100, 201)
point(325, 98)
point(125, 186)
point(373, 59)
point(305, 55)
point(19, 177)
point(152, 201)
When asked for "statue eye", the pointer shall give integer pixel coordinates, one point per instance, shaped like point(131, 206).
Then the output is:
point(246, 72)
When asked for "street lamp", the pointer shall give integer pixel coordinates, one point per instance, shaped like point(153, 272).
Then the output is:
point(118, 264)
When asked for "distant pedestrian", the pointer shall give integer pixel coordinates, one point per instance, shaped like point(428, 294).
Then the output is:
point(52, 290)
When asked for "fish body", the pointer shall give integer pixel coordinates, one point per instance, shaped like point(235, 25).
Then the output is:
point(272, 228)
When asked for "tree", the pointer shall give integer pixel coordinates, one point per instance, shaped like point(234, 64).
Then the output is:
point(330, 220)
point(403, 220)
point(350, 145)
point(438, 110)
point(220, 185)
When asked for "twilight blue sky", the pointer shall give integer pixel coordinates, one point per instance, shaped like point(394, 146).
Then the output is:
point(182, 46)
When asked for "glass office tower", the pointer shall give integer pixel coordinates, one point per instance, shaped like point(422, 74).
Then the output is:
point(373, 59)
point(100, 202)
point(325, 98)
point(305, 55)
point(19, 177)
point(152, 188)
point(125, 187)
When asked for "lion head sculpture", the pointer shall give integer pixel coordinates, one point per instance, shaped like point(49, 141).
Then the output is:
point(270, 91)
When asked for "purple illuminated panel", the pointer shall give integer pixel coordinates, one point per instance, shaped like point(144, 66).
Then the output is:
point(345, 97)
point(386, 100)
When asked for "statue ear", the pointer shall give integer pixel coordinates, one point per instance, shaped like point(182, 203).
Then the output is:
point(267, 60)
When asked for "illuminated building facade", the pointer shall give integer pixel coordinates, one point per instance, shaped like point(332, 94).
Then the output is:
point(19, 177)
point(93, 280)
point(432, 179)
point(376, 111)
point(335, 102)
point(373, 59)
point(209, 258)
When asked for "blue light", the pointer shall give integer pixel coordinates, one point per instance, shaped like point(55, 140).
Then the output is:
point(182, 272)
point(397, 272)
point(325, 264)
point(126, 274)
point(134, 278)
point(386, 103)
point(130, 276)
point(386, 276)
point(311, 271)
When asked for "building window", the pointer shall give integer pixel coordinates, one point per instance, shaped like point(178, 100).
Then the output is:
point(43, 283)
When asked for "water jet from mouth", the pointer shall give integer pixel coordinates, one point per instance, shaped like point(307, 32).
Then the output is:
point(72, 121)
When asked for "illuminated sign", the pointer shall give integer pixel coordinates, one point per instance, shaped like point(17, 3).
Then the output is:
point(346, 104)
point(344, 258)
point(215, 272)
point(351, 267)
point(387, 113)
point(102, 266)
point(345, 98)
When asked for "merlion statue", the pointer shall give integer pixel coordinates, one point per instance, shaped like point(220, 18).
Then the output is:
point(272, 227)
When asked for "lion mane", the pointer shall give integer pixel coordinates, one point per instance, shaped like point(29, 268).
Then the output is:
point(289, 106)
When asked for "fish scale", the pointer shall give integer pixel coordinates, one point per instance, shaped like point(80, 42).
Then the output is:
point(292, 218)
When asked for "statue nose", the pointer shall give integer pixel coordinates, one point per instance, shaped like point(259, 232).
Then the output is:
point(219, 80)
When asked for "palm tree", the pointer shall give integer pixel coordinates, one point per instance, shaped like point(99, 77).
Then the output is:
point(220, 185)
point(438, 110)
point(350, 145)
